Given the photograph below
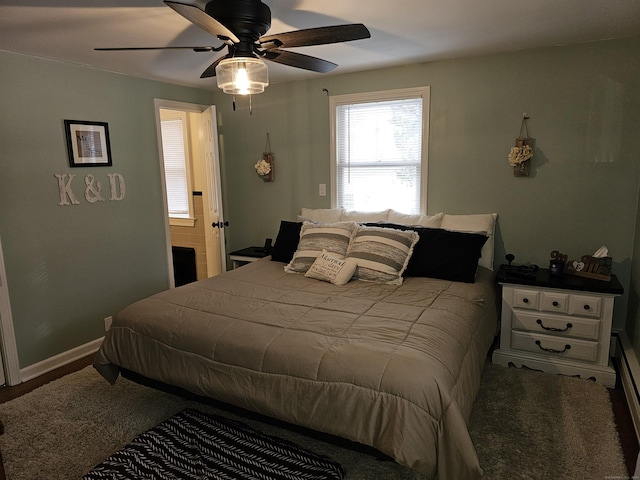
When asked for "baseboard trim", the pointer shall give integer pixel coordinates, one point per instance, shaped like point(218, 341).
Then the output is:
point(629, 376)
point(60, 360)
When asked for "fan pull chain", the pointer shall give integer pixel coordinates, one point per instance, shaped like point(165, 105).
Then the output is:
point(250, 104)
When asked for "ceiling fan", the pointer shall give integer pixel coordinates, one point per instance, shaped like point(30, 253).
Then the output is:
point(241, 25)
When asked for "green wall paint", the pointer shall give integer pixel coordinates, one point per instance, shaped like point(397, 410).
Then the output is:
point(68, 267)
point(584, 107)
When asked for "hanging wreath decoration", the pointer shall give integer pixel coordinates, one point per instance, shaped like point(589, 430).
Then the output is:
point(264, 167)
point(520, 155)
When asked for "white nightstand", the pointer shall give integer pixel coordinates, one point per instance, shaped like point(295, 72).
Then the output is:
point(247, 255)
point(558, 325)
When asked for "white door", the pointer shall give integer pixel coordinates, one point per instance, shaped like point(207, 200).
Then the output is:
point(212, 196)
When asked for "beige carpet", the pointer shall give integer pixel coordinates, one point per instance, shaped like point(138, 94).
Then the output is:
point(524, 425)
point(531, 425)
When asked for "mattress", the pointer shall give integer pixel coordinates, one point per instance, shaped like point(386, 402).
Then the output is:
point(395, 367)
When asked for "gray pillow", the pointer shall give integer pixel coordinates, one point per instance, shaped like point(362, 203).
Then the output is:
point(316, 237)
point(382, 254)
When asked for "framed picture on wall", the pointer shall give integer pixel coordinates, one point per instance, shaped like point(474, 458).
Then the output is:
point(88, 143)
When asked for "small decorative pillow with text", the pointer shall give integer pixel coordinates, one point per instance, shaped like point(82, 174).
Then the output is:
point(316, 237)
point(382, 254)
point(330, 268)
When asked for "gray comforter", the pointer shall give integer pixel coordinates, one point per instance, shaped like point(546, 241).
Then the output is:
point(393, 367)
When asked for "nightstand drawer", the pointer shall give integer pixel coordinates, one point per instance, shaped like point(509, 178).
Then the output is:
point(557, 325)
point(558, 302)
point(554, 302)
point(554, 346)
point(585, 305)
point(529, 299)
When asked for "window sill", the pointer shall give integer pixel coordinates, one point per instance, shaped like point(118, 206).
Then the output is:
point(182, 222)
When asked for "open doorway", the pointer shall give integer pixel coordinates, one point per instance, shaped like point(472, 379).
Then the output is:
point(190, 166)
point(9, 365)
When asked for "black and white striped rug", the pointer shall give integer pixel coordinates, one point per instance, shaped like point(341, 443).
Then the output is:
point(195, 445)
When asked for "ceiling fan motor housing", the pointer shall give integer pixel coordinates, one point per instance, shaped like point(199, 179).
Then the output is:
point(241, 26)
point(247, 19)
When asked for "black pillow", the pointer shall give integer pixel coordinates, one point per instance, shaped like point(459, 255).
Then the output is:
point(443, 254)
point(286, 241)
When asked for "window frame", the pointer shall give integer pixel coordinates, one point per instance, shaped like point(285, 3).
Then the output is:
point(374, 97)
point(167, 114)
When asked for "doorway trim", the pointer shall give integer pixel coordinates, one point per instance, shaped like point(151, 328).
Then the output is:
point(192, 108)
point(9, 361)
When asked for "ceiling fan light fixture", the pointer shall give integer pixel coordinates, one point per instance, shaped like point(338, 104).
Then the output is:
point(242, 75)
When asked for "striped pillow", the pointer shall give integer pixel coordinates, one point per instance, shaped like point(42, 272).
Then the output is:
point(382, 254)
point(314, 238)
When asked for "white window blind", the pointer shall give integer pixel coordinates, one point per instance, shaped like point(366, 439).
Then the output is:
point(175, 167)
point(379, 154)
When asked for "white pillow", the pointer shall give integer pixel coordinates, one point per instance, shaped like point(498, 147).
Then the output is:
point(483, 222)
point(322, 215)
point(432, 221)
point(359, 216)
point(331, 268)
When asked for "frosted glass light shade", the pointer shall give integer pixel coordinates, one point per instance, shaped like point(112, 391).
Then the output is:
point(242, 75)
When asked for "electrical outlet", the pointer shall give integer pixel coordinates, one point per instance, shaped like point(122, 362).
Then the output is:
point(322, 189)
point(107, 323)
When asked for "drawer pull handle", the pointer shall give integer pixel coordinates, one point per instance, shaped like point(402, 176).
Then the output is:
point(555, 304)
point(553, 329)
point(587, 307)
point(525, 300)
point(552, 350)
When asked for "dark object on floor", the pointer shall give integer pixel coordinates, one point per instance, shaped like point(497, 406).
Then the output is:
point(196, 445)
point(184, 265)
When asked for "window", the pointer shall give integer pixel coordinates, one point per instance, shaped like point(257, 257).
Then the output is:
point(379, 150)
point(175, 153)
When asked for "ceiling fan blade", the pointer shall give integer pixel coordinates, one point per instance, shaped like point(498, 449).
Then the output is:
point(315, 36)
point(211, 69)
point(298, 60)
point(202, 20)
point(195, 49)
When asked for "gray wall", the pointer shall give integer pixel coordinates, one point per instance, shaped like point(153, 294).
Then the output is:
point(584, 107)
point(68, 267)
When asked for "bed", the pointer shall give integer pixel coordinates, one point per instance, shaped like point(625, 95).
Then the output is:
point(393, 365)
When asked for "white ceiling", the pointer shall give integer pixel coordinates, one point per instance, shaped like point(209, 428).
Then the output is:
point(402, 31)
